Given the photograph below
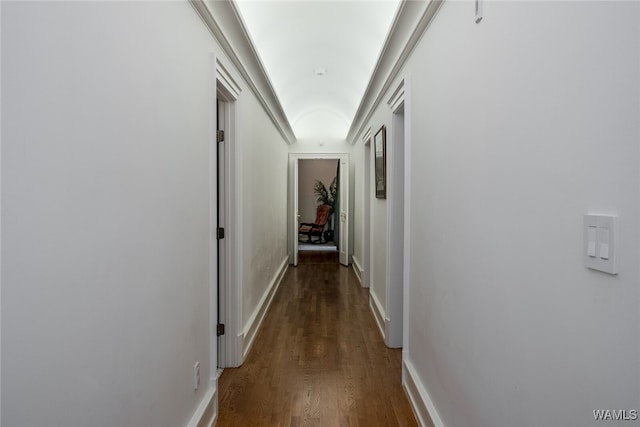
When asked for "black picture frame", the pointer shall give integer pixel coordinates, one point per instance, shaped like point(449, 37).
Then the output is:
point(380, 163)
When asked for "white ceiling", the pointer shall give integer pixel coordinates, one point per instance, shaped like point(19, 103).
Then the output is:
point(295, 38)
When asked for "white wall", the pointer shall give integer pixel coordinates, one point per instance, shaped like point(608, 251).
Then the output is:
point(519, 126)
point(105, 196)
point(309, 171)
point(105, 210)
point(264, 213)
point(320, 145)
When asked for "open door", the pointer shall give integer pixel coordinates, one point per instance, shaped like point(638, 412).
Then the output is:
point(343, 196)
point(220, 229)
point(296, 214)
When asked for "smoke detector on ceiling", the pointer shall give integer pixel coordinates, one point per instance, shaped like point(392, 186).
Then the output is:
point(320, 71)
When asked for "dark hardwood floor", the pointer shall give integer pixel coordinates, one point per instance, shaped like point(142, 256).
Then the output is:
point(318, 360)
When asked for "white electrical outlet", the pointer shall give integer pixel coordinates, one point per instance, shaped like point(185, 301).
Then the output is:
point(196, 376)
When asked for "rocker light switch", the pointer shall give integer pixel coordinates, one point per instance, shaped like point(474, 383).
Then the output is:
point(603, 240)
point(591, 241)
point(600, 243)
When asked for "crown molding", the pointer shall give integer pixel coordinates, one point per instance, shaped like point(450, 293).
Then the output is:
point(226, 25)
point(397, 98)
point(409, 25)
point(367, 136)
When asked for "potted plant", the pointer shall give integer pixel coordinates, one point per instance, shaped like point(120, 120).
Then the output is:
point(327, 197)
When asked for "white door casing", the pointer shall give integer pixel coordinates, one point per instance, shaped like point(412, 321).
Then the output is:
point(396, 284)
point(231, 343)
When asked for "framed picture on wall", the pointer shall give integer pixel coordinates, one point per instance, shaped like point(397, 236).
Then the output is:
point(380, 151)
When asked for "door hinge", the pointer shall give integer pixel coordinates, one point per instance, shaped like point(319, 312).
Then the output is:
point(220, 329)
point(220, 136)
point(220, 233)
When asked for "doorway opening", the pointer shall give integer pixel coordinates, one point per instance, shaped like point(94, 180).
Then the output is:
point(304, 201)
point(221, 202)
point(318, 204)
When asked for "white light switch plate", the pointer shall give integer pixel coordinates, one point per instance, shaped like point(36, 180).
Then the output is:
point(600, 243)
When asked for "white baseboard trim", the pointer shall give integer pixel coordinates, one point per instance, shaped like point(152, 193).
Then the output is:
point(357, 268)
point(423, 407)
point(253, 325)
point(207, 411)
point(378, 313)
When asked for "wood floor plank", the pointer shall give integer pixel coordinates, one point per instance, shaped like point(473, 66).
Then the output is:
point(318, 359)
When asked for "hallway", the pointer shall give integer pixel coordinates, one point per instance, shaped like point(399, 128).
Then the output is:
point(492, 210)
point(318, 360)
